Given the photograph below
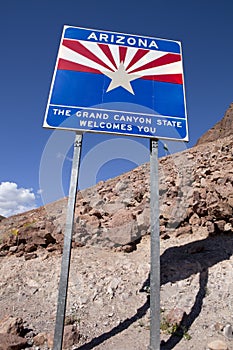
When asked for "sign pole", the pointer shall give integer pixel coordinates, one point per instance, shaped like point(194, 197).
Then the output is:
point(65, 264)
point(155, 249)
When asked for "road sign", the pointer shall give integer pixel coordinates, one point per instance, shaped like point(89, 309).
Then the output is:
point(118, 83)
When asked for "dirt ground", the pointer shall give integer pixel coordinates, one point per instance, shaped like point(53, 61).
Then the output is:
point(107, 295)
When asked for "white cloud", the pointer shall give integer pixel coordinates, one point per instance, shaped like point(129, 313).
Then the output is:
point(40, 191)
point(14, 200)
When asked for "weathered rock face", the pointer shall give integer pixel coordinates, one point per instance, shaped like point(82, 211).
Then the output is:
point(196, 191)
point(222, 129)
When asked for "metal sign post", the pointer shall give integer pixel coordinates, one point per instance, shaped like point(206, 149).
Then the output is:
point(155, 249)
point(65, 264)
point(125, 84)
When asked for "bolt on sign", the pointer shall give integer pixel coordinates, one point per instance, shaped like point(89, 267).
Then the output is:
point(118, 83)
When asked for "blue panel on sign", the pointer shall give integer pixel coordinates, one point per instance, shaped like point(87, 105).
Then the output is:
point(137, 78)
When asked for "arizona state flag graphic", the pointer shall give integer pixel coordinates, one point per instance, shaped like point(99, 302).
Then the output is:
point(118, 83)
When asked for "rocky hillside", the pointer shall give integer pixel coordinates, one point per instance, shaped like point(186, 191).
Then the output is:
point(108, 303)
point(221, 129)
point(1, 217)
point(195, 191)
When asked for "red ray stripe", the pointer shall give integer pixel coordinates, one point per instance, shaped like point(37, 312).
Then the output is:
point(123, 51)
point(161, 61)
point(67, 65)
point(139, 54)
point(166, 78)
point(79, 48)
point(108, 53)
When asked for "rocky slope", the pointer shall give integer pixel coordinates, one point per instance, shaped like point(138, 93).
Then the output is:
point(221, 129)
point(195, 191)
point(108, 303)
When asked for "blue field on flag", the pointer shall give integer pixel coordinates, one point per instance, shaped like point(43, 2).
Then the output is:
point(87, 90)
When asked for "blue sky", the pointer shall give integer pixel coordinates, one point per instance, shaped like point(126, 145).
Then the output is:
point(29, 36)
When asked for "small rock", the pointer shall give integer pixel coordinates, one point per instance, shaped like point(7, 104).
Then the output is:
point(40, 339)
point(114, 283)
point(218, 327)
point(203, 182)
point(71, 336)
point(190, 156)
point(96, 213)
point(230, 201)
point(121, 186)
point(175, 316)
point(183, 230)
point(29, 256)
point(228, 227)
point(128, 248)
point(31, 247)
point(195, 220)
point(50, 337)
point(19, 254)
point(228, 331)
point(13, 249)
point(51, 248)
point(220, 224)
point(3, 253)
point(217, 345)
point(210, 227)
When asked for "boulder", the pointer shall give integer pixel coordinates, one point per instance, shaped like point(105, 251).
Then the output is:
point(12, 325)
point(12, 342)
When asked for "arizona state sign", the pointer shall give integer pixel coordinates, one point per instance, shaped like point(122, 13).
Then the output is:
point(118, 83)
